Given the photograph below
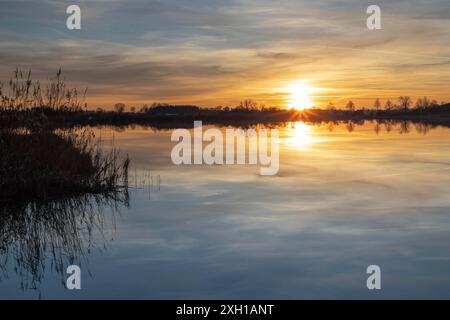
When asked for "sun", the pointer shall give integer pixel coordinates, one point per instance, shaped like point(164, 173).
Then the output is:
point(300, 95)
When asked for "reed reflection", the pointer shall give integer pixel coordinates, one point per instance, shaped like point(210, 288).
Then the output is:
point(54, 234)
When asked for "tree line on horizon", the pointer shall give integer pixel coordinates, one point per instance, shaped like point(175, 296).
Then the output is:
point(244, 105)
point(404, 103)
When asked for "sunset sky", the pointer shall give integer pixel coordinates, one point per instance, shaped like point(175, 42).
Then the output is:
point(219, 52)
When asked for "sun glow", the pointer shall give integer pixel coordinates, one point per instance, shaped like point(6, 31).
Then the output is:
point(300, 95)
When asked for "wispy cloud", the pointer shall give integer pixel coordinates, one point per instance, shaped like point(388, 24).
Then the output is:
point(218, 52)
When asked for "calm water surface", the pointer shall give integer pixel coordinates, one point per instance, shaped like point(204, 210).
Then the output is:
point(344, 198)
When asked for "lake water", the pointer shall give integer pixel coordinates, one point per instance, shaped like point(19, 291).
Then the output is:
point(345, 197)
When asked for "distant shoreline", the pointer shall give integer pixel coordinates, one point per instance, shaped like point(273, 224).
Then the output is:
point(178, 117)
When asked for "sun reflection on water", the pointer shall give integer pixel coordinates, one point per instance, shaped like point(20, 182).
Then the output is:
point(299, 135)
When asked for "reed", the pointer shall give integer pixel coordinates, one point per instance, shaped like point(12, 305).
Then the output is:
point(37, 162)
point(22, 93)
point(48, 164)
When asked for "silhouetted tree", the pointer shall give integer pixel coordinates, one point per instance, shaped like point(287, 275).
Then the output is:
point(423, 103)
point(350, 106)
point(405, 102)
point(377, 104)
point(119, 107)
point(145, 108)
point(388, 105)
point(247, 104)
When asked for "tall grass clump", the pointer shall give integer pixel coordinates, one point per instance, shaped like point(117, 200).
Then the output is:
point(47, 164)
point(22, 93)
point(37, 162)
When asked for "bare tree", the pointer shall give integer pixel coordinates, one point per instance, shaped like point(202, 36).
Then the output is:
point(423, 103)
point(405, 102)
point(419, 103)
point(377, 104)
point(248, 104)
point(426, 102)
point(388, 105)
